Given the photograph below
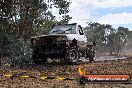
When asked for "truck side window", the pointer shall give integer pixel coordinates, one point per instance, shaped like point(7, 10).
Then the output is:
point(80, 30)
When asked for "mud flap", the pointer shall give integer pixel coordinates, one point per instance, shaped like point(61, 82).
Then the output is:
point(90, 54)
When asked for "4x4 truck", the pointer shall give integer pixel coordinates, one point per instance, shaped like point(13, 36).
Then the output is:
point(66, 42)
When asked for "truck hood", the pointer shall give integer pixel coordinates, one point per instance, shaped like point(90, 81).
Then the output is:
point(68, 36)
point(64, 36)
point(48, 35)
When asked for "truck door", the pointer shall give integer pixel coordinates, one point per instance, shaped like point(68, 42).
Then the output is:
point(81, 38)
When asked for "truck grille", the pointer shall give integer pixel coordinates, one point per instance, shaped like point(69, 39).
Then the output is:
point(53, 48)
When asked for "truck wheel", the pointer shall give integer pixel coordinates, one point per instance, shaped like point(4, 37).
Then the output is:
point(72, 56)
point(90, 55)
point(91, 59)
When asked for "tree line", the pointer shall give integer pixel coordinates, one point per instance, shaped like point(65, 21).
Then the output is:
point(108, 39)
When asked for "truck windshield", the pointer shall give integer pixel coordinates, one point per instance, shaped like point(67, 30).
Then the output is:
point(63, 29)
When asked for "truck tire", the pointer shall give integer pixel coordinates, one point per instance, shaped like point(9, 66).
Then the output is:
point(72, 56)
point(90, 54)
point(91, 59)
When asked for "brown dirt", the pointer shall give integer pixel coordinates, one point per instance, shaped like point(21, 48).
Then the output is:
point(98, 67)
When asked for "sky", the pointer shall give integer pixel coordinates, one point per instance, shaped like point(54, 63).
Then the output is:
point(114, 12)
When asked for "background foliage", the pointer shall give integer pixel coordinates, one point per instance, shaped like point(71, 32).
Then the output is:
point(108, 39)
point(22, 19)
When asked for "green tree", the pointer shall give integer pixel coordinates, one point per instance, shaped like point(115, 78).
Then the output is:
point(65, 19)
point(98, 33)
point(117, 40)
point(27, 16)
point(21, 19)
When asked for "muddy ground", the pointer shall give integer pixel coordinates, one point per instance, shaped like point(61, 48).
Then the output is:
point(123, 66)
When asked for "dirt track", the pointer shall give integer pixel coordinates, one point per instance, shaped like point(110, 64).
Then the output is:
point(123, 66)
